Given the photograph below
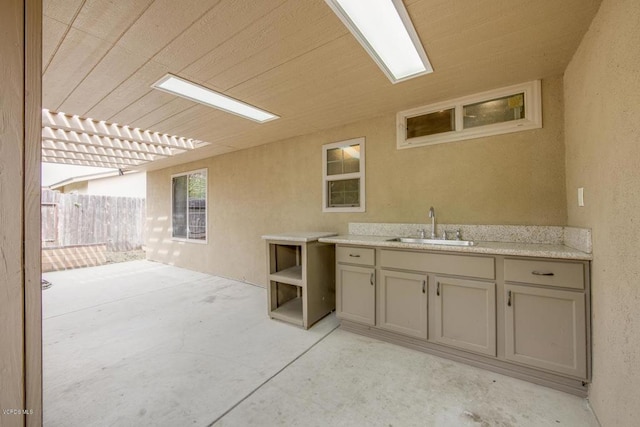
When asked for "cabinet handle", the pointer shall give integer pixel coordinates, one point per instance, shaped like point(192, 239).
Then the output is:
point(542, 273)
point(424, 286)
point(509, 298)
point(371, 279)
point(438, 289)
point(354, 256)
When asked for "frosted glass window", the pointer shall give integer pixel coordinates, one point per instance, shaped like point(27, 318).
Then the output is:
point(497, 110)
point(189, 205)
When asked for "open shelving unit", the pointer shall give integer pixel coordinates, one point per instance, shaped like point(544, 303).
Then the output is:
point(301, 277)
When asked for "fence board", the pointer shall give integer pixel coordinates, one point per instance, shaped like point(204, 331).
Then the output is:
point(82, 219)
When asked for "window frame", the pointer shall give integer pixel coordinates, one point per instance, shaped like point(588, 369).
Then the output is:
point(344, 176)
point(532, 119)
point(206, 218)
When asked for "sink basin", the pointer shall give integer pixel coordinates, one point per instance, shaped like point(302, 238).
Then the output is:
point(434, 241)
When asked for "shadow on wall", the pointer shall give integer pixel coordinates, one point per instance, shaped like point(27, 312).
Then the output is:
point(54, 259)
point(160, 246)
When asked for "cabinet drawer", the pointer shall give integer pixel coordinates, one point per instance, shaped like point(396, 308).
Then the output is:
point(352, 255)
point(457, 265)
point(543, 272)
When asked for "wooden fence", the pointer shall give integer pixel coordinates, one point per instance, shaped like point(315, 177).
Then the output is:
point(82, 219)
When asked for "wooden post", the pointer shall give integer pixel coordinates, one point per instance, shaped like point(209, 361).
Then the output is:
point(20, 287)
point(32, 211)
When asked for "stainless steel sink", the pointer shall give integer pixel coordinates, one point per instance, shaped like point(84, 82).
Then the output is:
point(434, 241)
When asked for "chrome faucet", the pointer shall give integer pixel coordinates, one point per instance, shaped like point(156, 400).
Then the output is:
point(432, 215)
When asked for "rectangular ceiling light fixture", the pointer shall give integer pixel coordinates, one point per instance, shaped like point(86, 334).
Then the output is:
point(384, 29)
point(186, 89)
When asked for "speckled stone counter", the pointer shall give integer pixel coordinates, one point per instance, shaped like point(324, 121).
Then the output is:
point(494, 248)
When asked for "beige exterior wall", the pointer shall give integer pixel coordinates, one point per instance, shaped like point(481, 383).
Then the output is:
point(129, 185)
point(75, 187)
point(602, 111)
point(516, 178)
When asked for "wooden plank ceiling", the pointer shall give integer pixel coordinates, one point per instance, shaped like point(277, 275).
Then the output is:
point(293, 58)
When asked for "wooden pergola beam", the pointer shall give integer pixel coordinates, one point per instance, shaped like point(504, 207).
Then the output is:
point(115, 154)
point(91, 127)
point(90, 158)
point(74, 140)
point(99, 150)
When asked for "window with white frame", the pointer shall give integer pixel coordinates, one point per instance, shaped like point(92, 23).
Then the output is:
point(343, 176)
point(189, 206)
point(509, 109)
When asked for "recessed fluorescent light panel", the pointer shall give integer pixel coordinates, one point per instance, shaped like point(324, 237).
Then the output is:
point(186, 89)
point(384, 29)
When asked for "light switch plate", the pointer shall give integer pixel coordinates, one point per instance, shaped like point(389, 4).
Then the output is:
point(581, 196)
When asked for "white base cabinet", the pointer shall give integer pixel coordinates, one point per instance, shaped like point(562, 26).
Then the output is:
point(356, 284)
point(356, 294)
point(527, 317)
point(546, 328)
point(464, 314)
point(402, 303)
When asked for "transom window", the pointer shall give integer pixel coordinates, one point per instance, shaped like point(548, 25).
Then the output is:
point(509, 109)
point(189, 206)
point(343, 176)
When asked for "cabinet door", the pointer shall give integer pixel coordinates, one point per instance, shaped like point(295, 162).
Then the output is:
point(356, 294)
point(546, 328)
point(402, 303)
point(464, 314)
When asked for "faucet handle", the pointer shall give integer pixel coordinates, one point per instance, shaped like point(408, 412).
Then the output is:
point(422, 233)
point(458, 234)
point(444, 234)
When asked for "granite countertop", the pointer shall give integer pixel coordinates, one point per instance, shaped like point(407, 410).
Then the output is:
point(493, 248)
point(299, 236)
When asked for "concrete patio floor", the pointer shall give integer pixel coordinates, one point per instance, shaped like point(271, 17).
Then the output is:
point(147, 344)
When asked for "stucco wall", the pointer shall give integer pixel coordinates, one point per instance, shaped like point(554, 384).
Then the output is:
point(129, 185)
point(508, 179)
point(75, 187)
point(602, 112)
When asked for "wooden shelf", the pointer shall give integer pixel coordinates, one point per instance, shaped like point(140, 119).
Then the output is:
point(301, 278)
point(290, 276)
point(290, 311)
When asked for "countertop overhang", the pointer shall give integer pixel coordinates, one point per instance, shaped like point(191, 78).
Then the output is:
point(490, 248)
point(299, 236)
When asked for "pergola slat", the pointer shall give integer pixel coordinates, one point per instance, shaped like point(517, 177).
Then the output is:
point(117, 154)
point(74, 140)
point(89, 157)
point(155, 152)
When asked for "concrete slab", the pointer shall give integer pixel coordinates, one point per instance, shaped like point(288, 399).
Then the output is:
point(142, 343)
point(146, 344)
point(350, 380)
